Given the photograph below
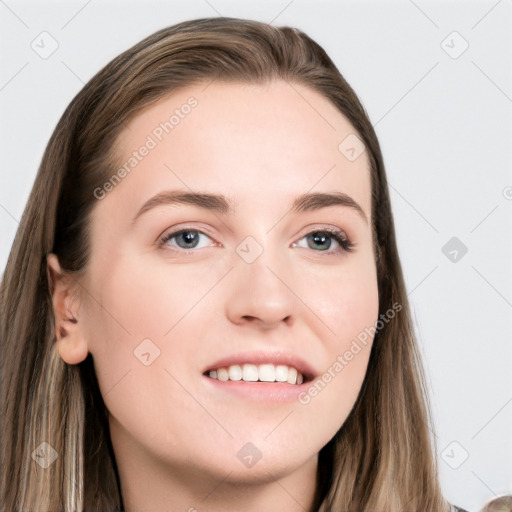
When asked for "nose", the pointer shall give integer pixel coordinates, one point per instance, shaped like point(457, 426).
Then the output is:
point(262, 294)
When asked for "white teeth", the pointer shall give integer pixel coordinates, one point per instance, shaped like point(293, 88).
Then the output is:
point(292, 376)
point(222, 374)
point(281, 373)
point(262, 372)
point(235, 372)
point(267, 372)
point(250, 372)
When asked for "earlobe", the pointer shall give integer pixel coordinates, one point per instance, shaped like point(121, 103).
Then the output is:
point(72, 350)
point(69, 335)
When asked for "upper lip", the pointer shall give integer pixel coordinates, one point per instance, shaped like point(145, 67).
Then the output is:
point(275, 358)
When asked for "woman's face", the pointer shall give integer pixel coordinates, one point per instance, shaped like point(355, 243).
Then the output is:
point(254, 280)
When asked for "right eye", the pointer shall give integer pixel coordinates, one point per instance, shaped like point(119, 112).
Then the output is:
point(183, 240)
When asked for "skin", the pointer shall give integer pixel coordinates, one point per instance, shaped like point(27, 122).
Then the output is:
point(175, 438)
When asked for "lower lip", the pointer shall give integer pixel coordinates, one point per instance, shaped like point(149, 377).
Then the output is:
point(280, 392)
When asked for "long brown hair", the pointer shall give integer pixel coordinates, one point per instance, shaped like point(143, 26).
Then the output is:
point(382, 458)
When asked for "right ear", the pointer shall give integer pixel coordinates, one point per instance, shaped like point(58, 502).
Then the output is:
point(69, 332)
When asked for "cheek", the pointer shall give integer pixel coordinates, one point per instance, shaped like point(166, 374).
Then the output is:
point(137, 317)
point(346, 299)
point(140, 300)
point(348, 304)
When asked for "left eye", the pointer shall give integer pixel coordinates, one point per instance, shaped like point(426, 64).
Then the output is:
point(323, 239)
point(187, 239)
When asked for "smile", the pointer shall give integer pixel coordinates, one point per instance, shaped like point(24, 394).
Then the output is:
point(258, 373)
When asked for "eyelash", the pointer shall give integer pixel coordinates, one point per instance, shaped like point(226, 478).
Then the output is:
point(339, 236)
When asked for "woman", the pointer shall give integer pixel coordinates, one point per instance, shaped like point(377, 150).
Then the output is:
point(204, 308)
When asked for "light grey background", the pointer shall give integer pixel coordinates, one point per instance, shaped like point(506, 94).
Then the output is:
point(444, 120)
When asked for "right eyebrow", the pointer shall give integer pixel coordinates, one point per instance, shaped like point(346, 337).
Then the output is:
point(207, 201)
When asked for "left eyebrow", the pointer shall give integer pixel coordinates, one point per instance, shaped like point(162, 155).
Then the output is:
point(315, 201)
point(223, 205)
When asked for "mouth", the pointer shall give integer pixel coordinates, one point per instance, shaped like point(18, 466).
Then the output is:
point(267, 373)
point(267, 377)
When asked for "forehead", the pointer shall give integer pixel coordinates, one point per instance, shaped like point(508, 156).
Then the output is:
point(263, 140)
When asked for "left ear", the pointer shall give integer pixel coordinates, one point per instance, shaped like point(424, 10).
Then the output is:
point(71, 343)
